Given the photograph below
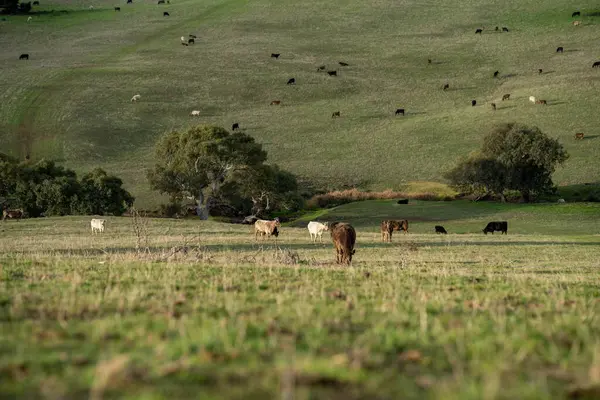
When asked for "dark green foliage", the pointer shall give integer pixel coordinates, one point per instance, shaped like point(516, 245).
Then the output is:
point(513, 157)
point(224, 173)
point(14, 7)
point(45, 188)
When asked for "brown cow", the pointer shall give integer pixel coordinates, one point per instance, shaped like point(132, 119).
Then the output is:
point(506, 97)
point(494, 106)
point(389, 226)
point(12, 214)
point(276, 102)
point(544, 102)
point(344, 238)
point(579, 136)
point(268, 228)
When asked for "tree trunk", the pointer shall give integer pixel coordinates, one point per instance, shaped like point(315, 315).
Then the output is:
point(502, 197)
point(202, 209)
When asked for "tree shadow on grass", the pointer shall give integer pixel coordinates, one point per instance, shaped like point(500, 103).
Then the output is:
point(590, 137)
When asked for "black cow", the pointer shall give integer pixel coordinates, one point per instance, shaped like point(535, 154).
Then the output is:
point(473, 103)
point(446, 86)
point(497, 29)
point(24, 57)
point(402, 201)
point(165, 14)
point(496, 74)
point(117, 8)
point(399, 111)
point(429, 61)
point(321, 68)
point(184, 44)
point(506, 97)
point(36, 3)
point(332, 73)
point(494, 106)
point(501, 226)
point(440, 229)
point(129, 1)
point(559, 49)
point(596, 64)
point(343, 64)
point(336, 114)
point(275, 55)
point(504, 29)
point(161, 2)
point(192, 36)
point(235, 126)
point(479, 31)
point(541, 71)
point(291, 81)
point(576, 14)
point(191, 41)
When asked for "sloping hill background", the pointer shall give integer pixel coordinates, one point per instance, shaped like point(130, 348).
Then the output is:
point(71, 100)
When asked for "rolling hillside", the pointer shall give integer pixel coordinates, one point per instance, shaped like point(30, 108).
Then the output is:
point(71, 100)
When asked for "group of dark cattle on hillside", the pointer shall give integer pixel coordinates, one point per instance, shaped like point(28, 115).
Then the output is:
point(343, 234)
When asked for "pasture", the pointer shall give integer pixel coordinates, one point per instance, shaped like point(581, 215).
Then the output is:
point(189, 309)
point(71, 99)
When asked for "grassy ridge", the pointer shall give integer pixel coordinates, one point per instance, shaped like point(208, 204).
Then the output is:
point(206, 312)
point(73, 95)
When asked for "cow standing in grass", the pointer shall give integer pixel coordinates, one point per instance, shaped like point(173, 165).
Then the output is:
point(344, 238)
point(97, 225)
point(316, 229)
point(12, 214)
point(501, 226)
point(266, 228)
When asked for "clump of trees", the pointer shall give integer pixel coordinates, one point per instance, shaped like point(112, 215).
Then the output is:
point(513, 157)
point(14, 7)
point(223, 173)
point(45, 188)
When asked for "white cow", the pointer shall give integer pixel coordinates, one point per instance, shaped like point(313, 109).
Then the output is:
point(532, 99)
point(195, 113)
point(183, 39)
point(97, 225)
point(316, 228)
point(136, 98)
point(29, 19)
point(91, 7)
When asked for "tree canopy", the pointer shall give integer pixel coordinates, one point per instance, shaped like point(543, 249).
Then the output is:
point(215, 168)
point(513, 156)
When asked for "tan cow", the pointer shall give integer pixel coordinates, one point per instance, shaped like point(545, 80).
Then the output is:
point(389, 226)
point(266, 228)
point(344, 238)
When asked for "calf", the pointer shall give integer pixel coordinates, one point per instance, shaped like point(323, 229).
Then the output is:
point(332, 73)
point(532, 99)
point(165, 14)
point(389, 226)
point(343, 64)
point(429, 61)
point(276, 102)
point(195, 113)
point(579, 136)
point(24, 57)
point(473, 103)
point(440, 229)
point(275, 55)
point(266, 228)
point(129, 1)
point(399, 111)
point(478, 31)
point(344, 238)
point(184, 44)
point(36, 3)
point(316, 229)
point(576, 14)
point(540, 71)
point(559, 49)
point(496, 74)
point(501, 226)
point(191, 41)
point(321, 68)
point(117, 8)
point(192, 36)
point(541, 102)
point(576, 23)
point(161, 1)
point(235, 126)
point(335, 114)
point(291, 81)
point(594, 65)
point(135, 98)
point(12, 214)
point(494, 106)
point(506, 97)
point(446, 86)
point(504, 29)
point(97, 225)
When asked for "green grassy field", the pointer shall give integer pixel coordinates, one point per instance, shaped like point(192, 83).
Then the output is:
point(201, 310)
point(71, 100)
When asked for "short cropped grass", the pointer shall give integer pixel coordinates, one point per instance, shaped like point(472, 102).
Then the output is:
point(193, 309)
point(71, 99)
